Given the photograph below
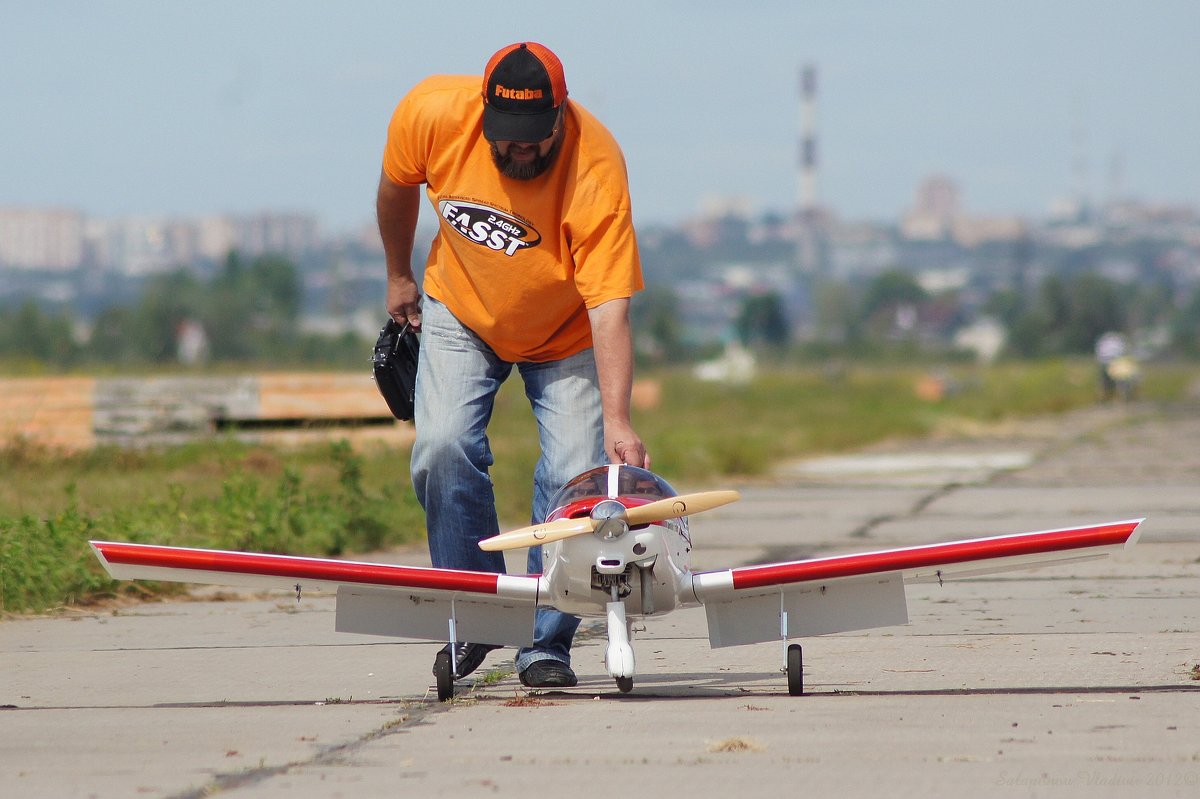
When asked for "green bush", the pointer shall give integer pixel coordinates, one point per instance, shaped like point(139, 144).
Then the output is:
point(46, 562)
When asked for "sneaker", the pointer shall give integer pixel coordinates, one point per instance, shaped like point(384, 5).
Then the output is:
point(470, 656)
point(547, 673)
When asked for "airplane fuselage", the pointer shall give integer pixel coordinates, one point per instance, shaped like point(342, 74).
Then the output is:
point(646, 566)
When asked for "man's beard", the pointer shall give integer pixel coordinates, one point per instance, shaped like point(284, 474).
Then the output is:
point(526, 170)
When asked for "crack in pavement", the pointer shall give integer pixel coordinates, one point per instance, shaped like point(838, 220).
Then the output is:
point(1055, 447)
point(415, 716)
point(1049, 690)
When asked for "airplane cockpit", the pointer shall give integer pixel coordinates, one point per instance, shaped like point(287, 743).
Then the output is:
point(613, 481)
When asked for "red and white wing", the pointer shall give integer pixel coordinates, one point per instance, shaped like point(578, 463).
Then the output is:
point(857, 592)
point(372, 598)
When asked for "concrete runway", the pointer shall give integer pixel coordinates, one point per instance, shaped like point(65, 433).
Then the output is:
point(1080, 680)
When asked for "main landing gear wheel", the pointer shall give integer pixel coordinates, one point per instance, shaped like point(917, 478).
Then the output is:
point(795, 670)
point(624, 684)
point(443, 672)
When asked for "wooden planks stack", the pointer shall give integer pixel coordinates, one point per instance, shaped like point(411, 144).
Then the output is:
point(55, 412)
point(74, 413)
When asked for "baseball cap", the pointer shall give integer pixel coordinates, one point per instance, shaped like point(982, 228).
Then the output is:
point(523, 87)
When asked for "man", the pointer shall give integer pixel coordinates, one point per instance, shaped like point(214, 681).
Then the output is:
point(534, 265)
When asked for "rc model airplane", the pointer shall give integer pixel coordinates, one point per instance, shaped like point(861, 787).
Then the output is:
point(617, 546)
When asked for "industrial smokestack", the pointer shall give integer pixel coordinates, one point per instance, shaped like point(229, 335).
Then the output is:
point(811, 258)
point(808, 140)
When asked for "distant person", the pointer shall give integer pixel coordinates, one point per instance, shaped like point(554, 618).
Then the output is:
point(1110, 348)
point(534, 265)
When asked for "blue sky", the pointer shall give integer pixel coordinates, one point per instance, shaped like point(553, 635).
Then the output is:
point(139, 107)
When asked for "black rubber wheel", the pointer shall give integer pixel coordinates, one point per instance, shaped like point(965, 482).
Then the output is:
point(795, 670)
point(624, 684)
point(443, 671)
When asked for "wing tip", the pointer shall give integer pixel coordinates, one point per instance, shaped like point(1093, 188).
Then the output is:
point(1135, 533)
point(98, 551)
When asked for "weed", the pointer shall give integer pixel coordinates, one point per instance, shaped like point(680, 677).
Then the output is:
point(736, 745)
point(526, 700)
point(494, 676)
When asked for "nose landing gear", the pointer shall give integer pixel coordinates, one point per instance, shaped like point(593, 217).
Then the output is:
point(618, 658)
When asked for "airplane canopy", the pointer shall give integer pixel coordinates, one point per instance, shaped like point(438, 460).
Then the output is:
point(612, 481)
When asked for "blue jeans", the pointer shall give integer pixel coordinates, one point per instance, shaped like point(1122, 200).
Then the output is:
point(457, 382)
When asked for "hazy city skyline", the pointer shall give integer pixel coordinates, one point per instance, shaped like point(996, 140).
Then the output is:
point(122, 108)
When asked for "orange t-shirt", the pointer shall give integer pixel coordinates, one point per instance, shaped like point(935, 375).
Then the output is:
point(519, 262)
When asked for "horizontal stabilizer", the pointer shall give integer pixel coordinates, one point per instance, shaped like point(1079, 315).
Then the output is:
point(370, 611)
point(859, 604)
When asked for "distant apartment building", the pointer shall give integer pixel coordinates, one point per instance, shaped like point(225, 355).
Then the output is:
point(215, 236)
point(289, 234)
point(935, 206)
point(138, 246)
point(48, 239)
point(146, 245)
point(937, 215)
point(41, 238)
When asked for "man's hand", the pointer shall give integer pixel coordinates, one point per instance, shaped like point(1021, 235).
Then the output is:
point(624, 446)
point(404, 300)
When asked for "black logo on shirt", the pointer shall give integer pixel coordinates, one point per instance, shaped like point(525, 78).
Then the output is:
point(488, 227)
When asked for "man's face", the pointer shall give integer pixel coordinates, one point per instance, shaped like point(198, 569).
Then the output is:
point(524, 160)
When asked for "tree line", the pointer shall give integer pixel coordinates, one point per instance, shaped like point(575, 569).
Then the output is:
point(247, 312)
point(892, 313)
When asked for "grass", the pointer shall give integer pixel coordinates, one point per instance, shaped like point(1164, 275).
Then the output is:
point(333, 500)
point(494, 676)
point(326, 500)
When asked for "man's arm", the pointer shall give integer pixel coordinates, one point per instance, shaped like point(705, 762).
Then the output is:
point(613, 343)
point(398, 207)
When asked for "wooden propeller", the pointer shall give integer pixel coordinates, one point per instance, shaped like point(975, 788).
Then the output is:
point(542, 533)
point(682, 505)
point(657, 511)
